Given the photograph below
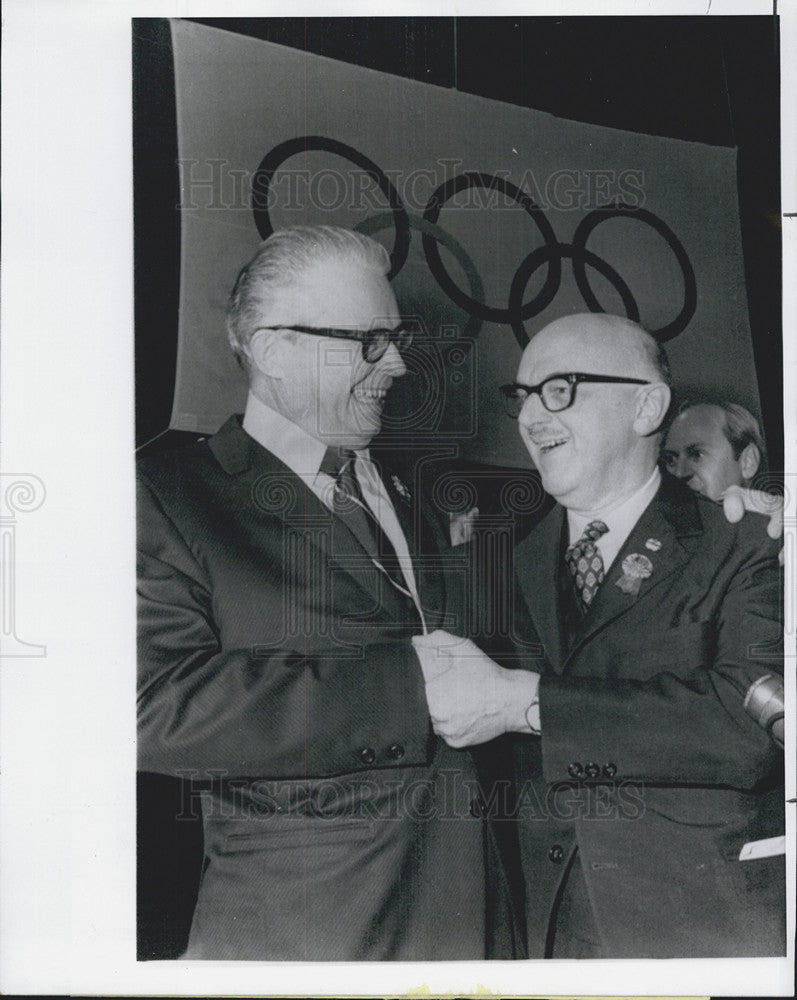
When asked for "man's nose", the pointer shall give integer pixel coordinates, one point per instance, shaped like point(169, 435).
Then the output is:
point(533, 412)
point(681, 467)
point(392, 362)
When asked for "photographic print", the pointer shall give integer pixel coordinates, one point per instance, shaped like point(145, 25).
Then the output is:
point(397, 523)
point(623, 248)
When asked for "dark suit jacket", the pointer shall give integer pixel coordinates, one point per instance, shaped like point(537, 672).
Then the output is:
point(277, 674)
point(647, 760)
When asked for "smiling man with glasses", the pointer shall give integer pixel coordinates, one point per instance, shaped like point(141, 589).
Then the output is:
point(645, 622)
point(283, 572)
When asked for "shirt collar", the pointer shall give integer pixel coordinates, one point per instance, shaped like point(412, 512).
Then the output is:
point(619, 518)
point(290, 443)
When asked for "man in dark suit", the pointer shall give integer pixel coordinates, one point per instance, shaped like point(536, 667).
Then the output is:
point(283, 571)
point(643, 787)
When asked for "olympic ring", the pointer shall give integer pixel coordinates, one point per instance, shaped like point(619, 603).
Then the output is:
point(431, 214)
point(594, 219)
point(551, 253)
point(264, 175)
point(378, 222)
point(575, 253)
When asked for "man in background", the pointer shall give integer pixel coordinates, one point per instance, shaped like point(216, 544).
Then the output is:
point(283, 570)
point(712, 446)
point(643, 620)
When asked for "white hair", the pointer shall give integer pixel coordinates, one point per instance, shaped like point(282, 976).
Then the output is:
point(279, 263)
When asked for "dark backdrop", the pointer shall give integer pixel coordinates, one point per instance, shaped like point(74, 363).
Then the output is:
point(707, 79)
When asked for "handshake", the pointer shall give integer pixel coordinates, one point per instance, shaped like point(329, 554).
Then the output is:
point(472, 699)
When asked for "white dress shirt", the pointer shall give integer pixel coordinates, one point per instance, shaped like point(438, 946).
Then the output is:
point(303, 454)
point(620, 518)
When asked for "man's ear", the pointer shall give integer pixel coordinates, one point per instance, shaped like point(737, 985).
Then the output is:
point(652, 403)
point(266, 351)
point(749, 461)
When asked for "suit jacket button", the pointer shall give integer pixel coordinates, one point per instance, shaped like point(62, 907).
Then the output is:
point(396, 751)
point(477, 809)
point(609, 770)
point(575, 770)
point(556, 853)
point(592, 770)
point(367, 755)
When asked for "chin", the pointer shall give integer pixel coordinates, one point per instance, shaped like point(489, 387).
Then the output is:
point(361, 439)
point(363, 425)
point(555, 486)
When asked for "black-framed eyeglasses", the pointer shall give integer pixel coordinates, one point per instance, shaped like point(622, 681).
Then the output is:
point(557, 392)
point(375, 341)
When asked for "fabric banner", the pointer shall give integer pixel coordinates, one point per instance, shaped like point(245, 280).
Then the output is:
point(498, 219)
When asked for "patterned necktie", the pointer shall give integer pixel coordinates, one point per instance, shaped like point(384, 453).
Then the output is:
point(585, 563)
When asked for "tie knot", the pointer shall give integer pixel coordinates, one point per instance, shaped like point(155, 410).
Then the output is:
point(335, 461)
point(593, 531)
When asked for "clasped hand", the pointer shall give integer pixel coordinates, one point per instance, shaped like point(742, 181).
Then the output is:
point(471, 699)
point(736, 500)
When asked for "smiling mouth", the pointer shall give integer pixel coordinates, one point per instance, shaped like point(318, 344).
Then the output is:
point(375, 394)
point(548, 446)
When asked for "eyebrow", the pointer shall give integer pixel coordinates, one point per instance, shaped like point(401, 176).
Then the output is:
point(689, 444)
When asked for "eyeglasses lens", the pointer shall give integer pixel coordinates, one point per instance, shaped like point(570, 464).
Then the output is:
point(557, 394)
point(377, 342)
point(514, 399)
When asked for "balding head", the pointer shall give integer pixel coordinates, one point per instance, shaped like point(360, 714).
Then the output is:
point(604, 445)
point(605, 344)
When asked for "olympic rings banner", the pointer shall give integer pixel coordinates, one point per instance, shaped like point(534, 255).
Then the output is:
point(498, 219)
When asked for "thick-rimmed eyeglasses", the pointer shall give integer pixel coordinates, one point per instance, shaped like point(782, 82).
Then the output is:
point(557, 392)
point(375, 341)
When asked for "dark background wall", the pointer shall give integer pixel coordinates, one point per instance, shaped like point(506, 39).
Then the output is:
point(707, 79)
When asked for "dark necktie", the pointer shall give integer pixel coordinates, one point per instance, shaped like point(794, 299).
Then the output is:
point(349, 504)
point(585, 563)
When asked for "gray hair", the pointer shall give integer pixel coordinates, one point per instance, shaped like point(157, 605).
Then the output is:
point(279, 263)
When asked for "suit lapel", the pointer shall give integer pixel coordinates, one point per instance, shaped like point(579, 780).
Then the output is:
point(402, 504)
point(425, 539)
point(537, 570)
point(274, 490)
point(671, 519)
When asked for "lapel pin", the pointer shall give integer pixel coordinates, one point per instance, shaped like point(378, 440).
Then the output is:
point(401, 489)
point(653, 544)
point(636, 568)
